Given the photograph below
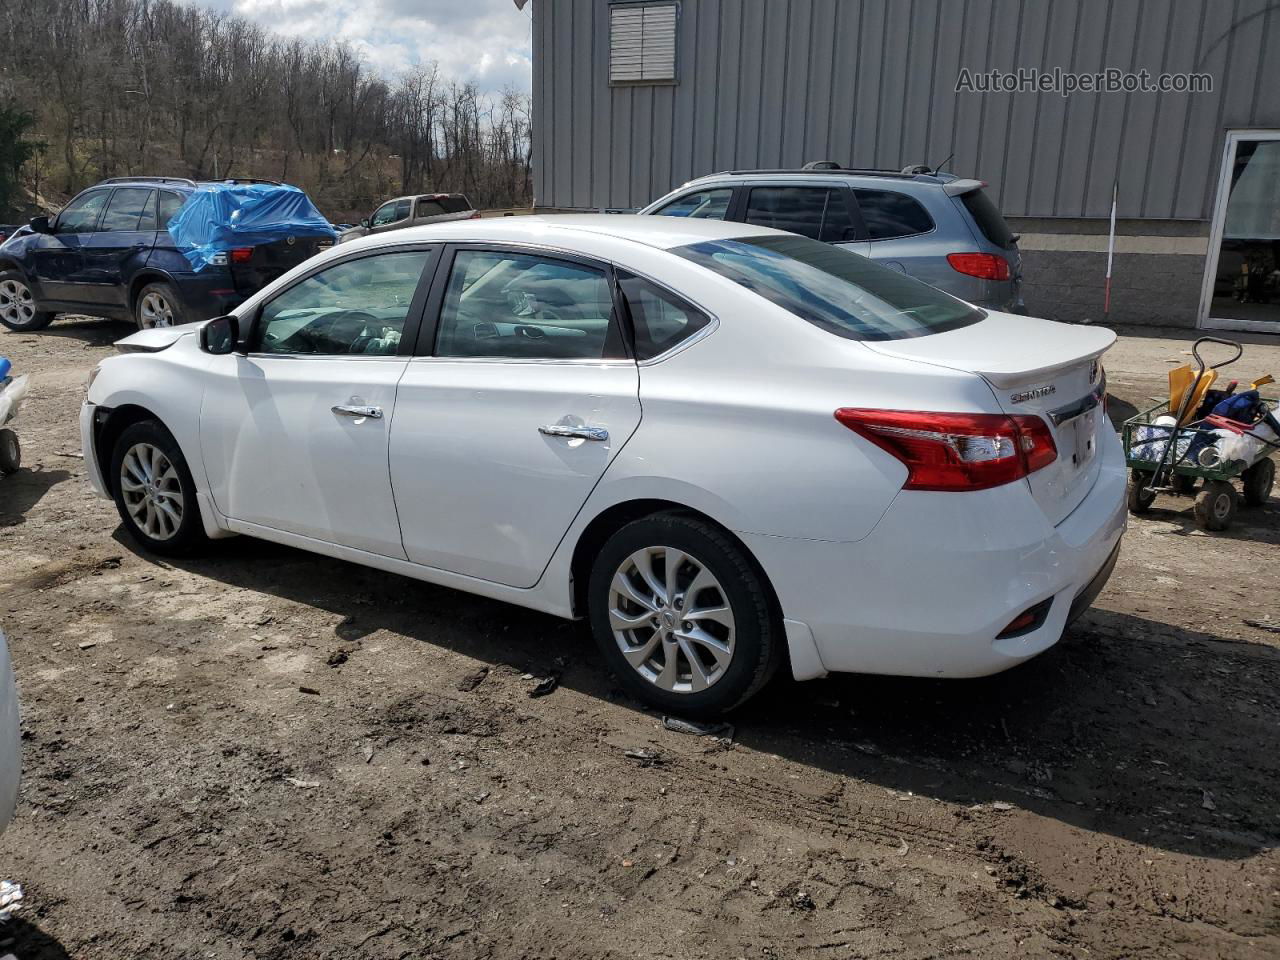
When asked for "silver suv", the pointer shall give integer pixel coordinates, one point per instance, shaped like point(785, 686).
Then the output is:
point(934, 226)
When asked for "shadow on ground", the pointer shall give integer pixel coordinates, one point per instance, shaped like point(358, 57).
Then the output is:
point(21, 491)
point(26, 941)
point(1124, 728)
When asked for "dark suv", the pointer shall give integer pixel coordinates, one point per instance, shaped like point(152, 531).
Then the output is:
point(108, 254)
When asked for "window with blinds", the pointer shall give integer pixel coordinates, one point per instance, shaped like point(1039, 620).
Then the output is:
point(642, 43)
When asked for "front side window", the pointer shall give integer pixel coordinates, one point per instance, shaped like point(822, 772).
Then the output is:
point(820, 213)
point(839, 291)
point(125, 209)
point(526, 307)
point(384, 214)
point(702, 205)
point(353, 308)
point(81, 214)
point(889, 214)
point(661, 320)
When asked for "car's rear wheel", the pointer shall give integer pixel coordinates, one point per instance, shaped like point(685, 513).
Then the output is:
point(18, 309)
point(153, 490)
point(158, 305)
point(683, 616)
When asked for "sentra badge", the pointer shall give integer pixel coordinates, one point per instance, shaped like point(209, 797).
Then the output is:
point(1032, 394)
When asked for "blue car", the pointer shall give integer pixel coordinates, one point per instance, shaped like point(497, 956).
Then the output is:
point(109, 253)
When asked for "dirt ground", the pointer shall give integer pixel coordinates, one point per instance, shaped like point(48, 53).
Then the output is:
point(264, 753)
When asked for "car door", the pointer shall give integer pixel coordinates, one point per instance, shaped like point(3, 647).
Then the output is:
point(58, 257)
point(120, 246)
point(523, 396)
point(294, 431)
point(821, 211)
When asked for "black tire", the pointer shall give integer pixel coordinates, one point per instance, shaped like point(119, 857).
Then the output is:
point(10, 453)
point(1215, 505)
point(156, 302)
point(1140, 499)
point(1258, 481)
point(17, 306)
point(757, 634)
point(187, 534)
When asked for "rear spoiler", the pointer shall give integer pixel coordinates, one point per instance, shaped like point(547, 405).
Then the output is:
point(958, 188)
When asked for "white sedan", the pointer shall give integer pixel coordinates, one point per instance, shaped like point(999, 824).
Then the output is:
point(726, 446)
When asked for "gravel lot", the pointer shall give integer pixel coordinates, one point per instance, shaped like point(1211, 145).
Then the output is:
point(262, 753)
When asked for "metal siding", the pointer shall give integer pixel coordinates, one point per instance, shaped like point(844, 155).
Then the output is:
point(872, 83)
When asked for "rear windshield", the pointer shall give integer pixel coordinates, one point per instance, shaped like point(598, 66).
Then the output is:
point(988, 218)
point(839, 291)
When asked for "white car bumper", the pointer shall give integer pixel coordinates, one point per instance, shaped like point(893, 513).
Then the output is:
point(10, 743)
point(929, 590)
point(87, 413)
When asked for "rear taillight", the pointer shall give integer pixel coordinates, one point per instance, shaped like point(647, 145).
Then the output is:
point(241, 254)
point(984, 266)
point(956, 451)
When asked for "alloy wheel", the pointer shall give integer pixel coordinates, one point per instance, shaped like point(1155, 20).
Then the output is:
point(155, 311)
point(152, 491)
point(671, 619)
point(16, 305)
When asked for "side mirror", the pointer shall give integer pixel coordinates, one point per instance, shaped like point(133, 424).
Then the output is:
point(41, 225)
point(220, 335)
point(365, 223)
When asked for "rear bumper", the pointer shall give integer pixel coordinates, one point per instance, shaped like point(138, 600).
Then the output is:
point(929, 590)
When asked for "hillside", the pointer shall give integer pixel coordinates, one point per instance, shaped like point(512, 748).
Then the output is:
point(125, 87)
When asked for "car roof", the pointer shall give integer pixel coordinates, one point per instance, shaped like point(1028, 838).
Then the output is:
point(663, 233)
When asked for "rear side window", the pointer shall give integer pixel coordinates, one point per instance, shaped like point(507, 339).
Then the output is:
point(455, 204)
point(430, 208)
point(702, 205)
point(819, 213)
point(889, 214)
point(661, 319)
point(170, 204)
point(988, 218)
point(125, 209)
point(148, 220)
point(839, 291)
point(527, 307)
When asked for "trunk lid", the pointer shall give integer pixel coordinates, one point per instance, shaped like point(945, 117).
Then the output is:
point(1036, 367)
point(272, 260)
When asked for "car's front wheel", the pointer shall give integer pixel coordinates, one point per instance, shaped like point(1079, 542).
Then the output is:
point(158, 305)
point(683, 616)
point(154, 492)
point(18, 309)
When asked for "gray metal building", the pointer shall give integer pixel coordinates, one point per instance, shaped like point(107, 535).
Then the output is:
point(634, 97)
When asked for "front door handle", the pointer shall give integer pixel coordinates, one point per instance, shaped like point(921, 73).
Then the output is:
point(574, 433)
point(359, 412)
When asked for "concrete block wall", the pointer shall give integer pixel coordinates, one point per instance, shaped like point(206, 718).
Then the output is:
point(1157, 272)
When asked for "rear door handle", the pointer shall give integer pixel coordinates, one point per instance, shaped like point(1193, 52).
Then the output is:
point(359, 412)
point(574, 433)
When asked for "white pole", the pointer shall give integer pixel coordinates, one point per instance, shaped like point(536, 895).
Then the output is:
point(1111, 252)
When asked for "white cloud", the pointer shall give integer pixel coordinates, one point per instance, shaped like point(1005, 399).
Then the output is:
point(488, 41)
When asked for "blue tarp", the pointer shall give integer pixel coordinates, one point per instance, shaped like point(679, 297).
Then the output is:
point(220, 216)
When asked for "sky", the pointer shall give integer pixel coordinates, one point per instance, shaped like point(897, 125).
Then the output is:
point(483, 40)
